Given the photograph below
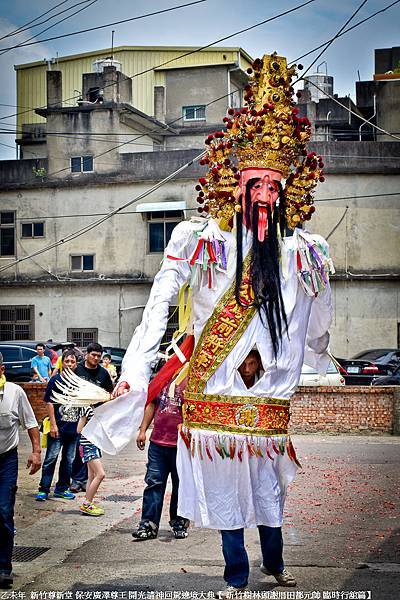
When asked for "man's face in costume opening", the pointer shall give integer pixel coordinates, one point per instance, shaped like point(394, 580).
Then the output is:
point(260, 186)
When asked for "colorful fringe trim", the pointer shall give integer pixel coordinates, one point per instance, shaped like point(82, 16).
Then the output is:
point(230, 447)
point(313, 265)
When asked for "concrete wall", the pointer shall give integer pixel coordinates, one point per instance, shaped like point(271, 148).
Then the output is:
point(60, 306)
point(366, 315)
point(363, 234)
point(120, 244)
point(182, 89)
point(83, 124)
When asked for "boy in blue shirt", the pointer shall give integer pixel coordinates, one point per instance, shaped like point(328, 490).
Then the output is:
point(41, 365)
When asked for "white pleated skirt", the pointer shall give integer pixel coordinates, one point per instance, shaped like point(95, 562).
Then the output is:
point(225, 493)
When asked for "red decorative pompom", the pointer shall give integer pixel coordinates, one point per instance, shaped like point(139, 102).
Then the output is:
point(249, 71)
point(312, 209)
point(231, 111)
point(227, 162)
point(322, 179)
point(299, 94)
point(198, 188)
point(200, 200)
point(300, 67)
point(203, 180)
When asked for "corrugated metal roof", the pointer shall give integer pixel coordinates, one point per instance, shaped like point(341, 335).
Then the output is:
point(107, 51)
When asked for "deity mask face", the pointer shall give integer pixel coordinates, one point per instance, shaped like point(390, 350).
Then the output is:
point(261, 185)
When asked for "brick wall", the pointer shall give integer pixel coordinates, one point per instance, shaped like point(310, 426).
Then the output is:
point(35, 393)
point(347, 409)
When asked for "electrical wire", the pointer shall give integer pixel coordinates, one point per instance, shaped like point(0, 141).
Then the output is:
point(332, 40)
point(26, 26)
point(57, 37)
point(18, 30)
point(87, 228)
point(352, 112)
point(382, 10)
point(178, 57)
point(133, 212)
point(22, 44)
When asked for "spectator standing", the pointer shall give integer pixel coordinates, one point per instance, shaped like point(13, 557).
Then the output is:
point(15, 411)
point(107, 364)
point(41, 365)
point(92, 371)
point(167, 414)
point(63, 437)
point(91, 456)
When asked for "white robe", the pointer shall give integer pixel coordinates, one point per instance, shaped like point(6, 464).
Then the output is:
point(222, 493)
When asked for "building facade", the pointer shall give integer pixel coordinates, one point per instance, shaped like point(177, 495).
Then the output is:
point(95, 284)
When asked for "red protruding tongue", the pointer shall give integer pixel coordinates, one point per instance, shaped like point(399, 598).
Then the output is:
point(262, 223)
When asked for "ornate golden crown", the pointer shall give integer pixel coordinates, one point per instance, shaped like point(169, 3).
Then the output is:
point(266, 133)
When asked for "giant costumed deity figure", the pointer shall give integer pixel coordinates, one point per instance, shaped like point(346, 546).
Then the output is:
point(251, 287)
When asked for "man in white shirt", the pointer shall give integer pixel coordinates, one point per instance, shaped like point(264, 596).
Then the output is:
point(15, 411)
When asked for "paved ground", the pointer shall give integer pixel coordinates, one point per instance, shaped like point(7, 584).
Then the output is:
point(340, 533)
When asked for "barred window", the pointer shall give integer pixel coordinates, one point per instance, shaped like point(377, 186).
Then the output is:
point(17, 323)
point(82, 337)
point(7, 233)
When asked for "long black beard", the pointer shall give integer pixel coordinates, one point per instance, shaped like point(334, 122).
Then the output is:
point(264, 267)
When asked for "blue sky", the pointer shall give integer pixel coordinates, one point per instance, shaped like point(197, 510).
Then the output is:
point(291, 35)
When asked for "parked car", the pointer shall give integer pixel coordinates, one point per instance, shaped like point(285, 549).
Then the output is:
point(393, 379)
point(310, 376)
point(357, 371)
point(117, 355)
point(381, 356)
point(17, 356)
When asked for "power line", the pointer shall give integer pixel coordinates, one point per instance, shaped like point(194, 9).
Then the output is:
point(18, 30)
point(57, 37)
point(5, 50)
point(91, 226)
point(332, 40)
point(382, 10)
point(352, 112)
point(133, 212)
point(27, 25)
point(199, 49)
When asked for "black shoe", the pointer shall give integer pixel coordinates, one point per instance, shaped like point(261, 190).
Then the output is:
point(179, 527)
point(146, 531)
point(6, 581)
point(75, 488)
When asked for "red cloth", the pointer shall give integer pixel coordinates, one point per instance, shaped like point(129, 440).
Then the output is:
point(166, 373)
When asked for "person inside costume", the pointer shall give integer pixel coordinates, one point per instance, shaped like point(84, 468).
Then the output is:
point(252, 279)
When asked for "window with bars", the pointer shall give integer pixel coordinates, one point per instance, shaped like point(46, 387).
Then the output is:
point(82, 337)
point(32, 230)
point(7, 233)
point(160, 226)
point(81, 164)
point(17, 323)
point(82, 262)
point(194, 113)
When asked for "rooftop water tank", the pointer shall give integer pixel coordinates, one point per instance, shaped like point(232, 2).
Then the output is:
point(100, 64)
point(323, 81)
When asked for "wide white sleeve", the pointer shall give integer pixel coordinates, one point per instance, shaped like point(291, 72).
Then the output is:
point(145, 343)
point(115, 423)
point(317, 340)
